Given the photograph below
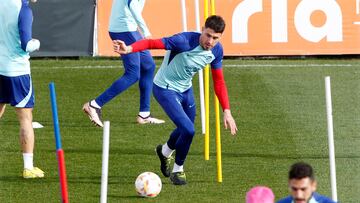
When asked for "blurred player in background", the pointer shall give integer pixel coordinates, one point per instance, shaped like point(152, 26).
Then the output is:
point(125, 22)
point(15, 80)
point(188, 52)
point(302, 186)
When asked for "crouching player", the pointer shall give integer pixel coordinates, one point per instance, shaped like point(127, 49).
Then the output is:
point(188, 52)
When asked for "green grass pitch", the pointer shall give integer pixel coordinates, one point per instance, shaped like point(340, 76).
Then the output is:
point(279, 106)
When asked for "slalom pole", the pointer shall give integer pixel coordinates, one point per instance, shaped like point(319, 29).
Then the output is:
point(330, 138)
point(201, 73)
point(212, 7)
point(217, 122)
point(95, 33)
point(218, 141)
point(59, 151)
point(105, 162)
point(184, 17)
point(207, 98)
point(197, 15)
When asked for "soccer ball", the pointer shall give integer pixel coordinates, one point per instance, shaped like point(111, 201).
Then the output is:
point(148, 184)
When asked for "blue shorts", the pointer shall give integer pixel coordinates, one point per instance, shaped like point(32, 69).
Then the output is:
point(17, 91)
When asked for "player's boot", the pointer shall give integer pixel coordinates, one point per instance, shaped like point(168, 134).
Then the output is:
point(178, 178)
point(93, 113)
point(33, 173)
point(164, 162)
point(149, 119)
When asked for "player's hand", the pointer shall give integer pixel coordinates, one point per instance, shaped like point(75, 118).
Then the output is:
point(229, 122)
point(32, 45)
point(120, 47)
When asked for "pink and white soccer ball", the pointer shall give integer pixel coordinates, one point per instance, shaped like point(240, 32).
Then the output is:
point(148, 184)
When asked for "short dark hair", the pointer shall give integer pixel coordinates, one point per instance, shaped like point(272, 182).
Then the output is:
point(215, 23)
point(301, 170)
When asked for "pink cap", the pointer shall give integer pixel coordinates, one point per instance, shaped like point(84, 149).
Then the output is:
point(260, 194)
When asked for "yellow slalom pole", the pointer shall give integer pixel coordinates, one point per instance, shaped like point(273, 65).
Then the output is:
point(206, 9)
point(212, 5)
point(207, 97)
point(217, 123)
point(218, 141)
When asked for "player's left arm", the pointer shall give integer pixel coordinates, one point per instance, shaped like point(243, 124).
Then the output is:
point(25, 30)
point(136, 10)
point(221, 89)
point(222, 94)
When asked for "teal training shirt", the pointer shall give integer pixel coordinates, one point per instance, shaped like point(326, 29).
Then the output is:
point(184, 59)
point(14, 61)
point(126, 17)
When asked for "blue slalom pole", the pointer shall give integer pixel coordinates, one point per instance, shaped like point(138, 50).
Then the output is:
point(55, 116)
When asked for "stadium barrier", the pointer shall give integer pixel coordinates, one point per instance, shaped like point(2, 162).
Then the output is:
point(254, 27)
point(257, 27)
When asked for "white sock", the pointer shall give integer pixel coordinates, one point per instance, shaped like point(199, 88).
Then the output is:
point(178, 168)
point(144, 114)
point(28, 160)
point(166, 151)
point(94, 104)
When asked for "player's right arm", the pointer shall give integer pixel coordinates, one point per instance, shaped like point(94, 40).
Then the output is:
point(25, 30)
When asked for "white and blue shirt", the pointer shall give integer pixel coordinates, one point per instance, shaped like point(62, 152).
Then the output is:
point(126, 17)
point(184, 58)
point(15, 33)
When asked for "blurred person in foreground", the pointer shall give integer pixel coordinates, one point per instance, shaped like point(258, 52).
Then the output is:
point(260, 194)
point(125, 24)
point(16, 88)
point(188, 52)
point(302, 186)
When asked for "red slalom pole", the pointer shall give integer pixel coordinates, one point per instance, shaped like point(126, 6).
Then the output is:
point(62, 173)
